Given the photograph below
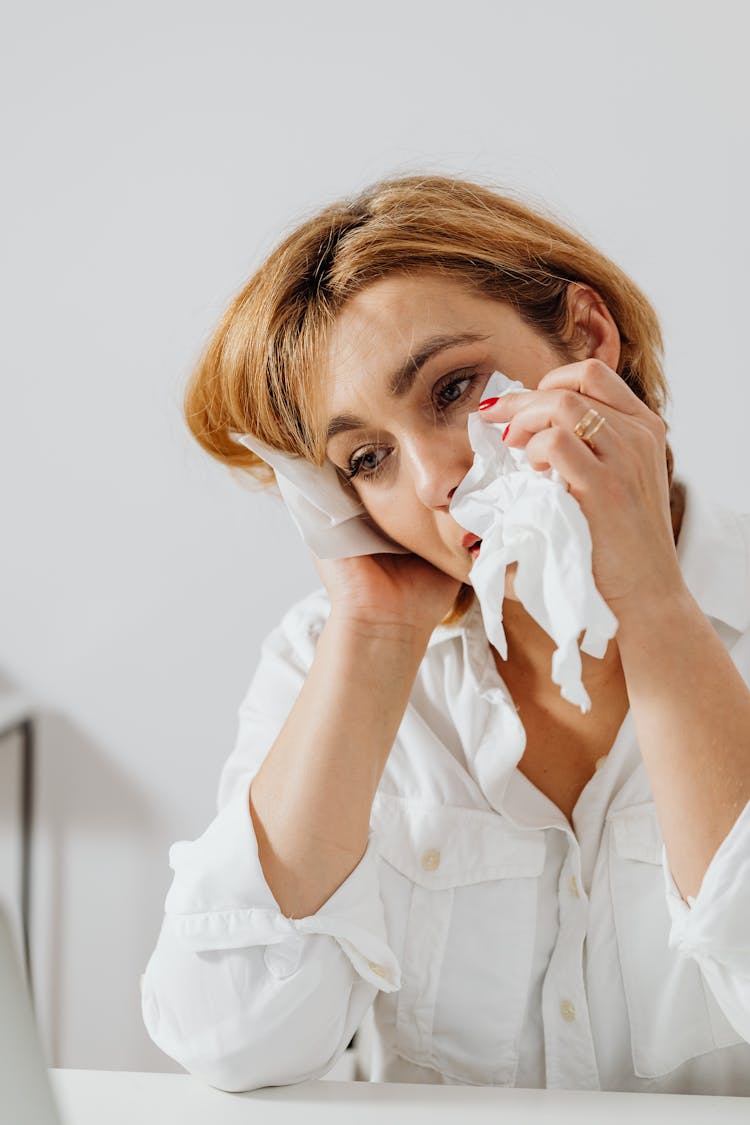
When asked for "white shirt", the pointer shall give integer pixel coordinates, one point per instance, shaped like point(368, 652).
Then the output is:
point(493, 943)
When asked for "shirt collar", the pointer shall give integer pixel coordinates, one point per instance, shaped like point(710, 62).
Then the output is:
point(713, 549)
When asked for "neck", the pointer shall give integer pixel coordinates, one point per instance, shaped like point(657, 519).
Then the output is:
point(530, 652)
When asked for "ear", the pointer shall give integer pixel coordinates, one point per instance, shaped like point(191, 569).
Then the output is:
point(594, 333)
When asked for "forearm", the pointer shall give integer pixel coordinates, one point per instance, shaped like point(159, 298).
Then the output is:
point(312, 797)
point(691, 710)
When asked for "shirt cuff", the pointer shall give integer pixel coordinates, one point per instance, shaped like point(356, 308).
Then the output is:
point(219, 899)
point(714, 922)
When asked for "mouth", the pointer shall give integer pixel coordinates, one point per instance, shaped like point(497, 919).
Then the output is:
point(473, 544)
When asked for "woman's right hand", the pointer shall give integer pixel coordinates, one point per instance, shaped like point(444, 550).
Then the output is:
point(388, 592)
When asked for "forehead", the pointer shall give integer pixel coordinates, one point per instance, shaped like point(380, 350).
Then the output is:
point(382, 324)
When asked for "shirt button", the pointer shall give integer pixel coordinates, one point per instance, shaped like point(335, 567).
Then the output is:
point(574, 886)
point(431, 859)
point(600, 762)
point(376, 968)
point(567, 1010)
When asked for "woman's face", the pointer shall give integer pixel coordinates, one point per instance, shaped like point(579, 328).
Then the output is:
point(408, 445)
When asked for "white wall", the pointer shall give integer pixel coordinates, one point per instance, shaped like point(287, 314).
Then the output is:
point(154, 153)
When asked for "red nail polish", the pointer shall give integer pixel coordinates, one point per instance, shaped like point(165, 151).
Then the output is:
point(506, 430)
point(487, 402)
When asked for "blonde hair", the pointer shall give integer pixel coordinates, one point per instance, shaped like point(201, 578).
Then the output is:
point(260, 372)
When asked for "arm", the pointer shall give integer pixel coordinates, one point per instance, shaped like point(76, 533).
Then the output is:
point(691, 709)
point(692, 712)
point(312, 797)
point(238, 991)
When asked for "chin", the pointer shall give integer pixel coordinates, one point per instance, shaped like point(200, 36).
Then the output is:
point(510, 589)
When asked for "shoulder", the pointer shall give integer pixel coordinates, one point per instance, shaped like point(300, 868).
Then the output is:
point(309, 614)
point(743, 522)
point(286, 656)
point(713, 549)
point(297, 632)
point(730, 528)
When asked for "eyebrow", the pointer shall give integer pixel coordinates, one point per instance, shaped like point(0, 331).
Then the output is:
point(402, 379)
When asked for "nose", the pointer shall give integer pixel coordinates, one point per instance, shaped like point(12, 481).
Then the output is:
point(437, 466)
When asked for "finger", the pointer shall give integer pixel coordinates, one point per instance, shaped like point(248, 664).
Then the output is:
point(593, 378)
point(565, 409)
point(560, 449)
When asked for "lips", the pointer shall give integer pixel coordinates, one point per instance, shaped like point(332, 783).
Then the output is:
point(469, 540)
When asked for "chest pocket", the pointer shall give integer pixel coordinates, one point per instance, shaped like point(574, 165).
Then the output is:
point(672, 1013)
point(469, 938)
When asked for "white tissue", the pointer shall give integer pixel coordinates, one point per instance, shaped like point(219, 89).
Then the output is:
point(333, 522)
point(527, 516)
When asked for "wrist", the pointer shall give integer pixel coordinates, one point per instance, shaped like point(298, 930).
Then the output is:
point(370, 630)
point(653, 610)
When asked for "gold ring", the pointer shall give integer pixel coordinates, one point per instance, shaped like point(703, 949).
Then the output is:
point(588, 426)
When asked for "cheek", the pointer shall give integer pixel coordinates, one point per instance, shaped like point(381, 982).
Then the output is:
point(385, 517)
point(402, 523)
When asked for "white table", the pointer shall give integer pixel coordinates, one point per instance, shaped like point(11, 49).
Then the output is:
point(92, 1097)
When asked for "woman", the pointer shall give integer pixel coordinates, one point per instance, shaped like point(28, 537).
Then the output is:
point(411, 829)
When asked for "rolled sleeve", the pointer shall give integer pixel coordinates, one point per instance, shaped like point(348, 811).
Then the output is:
point(219, 899)
point(714, 926)
point(239, 994)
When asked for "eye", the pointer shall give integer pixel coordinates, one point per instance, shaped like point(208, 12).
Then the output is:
point(355, 463)
point(450, 386)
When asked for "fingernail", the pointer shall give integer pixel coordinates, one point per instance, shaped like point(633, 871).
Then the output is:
point(506, 430)
point(487, 402)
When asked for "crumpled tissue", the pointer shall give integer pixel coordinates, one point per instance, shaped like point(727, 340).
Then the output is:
point(528, 516)
point(522, 515)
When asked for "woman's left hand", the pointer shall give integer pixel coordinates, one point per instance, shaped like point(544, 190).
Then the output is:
point(622, 487)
